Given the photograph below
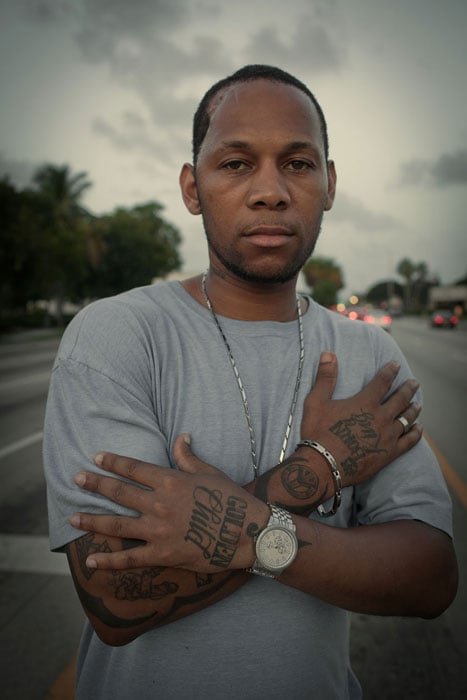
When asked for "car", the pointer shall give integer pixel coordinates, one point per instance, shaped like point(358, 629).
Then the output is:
point(443, 318)
point(378, 317)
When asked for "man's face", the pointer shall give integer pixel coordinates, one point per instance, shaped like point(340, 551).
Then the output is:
point(261, 181)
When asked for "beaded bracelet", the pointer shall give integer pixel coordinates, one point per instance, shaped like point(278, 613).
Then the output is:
point(335, 473)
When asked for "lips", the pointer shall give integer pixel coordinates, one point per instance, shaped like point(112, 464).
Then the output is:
point(269, 236)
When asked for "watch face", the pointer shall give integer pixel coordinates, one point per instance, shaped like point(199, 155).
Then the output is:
point(276, 547)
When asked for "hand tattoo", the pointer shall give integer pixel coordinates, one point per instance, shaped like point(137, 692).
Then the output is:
point(359, 436)
point(216, 529)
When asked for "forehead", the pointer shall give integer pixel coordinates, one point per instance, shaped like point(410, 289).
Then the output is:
point(261, 109)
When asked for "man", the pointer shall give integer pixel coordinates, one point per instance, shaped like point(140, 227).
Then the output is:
point(175, 567)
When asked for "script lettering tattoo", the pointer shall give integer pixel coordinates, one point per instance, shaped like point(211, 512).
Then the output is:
point(85, 546)
point(214, 531)
point(205, 519)
point(359, 436)
point(142, 585)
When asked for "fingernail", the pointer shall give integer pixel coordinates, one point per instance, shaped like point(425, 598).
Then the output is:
point(395, 366)
point(187, 439)
point(98, 459)
point(91, 563)
point(326, 357)
point(80, 479)
point(75, 521)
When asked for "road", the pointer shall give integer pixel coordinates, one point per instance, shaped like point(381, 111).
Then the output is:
point(40, 617)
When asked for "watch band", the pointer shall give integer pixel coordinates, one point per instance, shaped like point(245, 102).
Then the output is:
point(281, 521)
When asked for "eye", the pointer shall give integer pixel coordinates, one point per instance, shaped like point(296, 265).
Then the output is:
point(300, 165)
point(234, 165)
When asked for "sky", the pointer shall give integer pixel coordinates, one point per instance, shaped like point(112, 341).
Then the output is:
point(109, 87)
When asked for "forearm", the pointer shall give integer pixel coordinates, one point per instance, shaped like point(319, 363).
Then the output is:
point(404, 568)
point(395, 568)
point(122, 605)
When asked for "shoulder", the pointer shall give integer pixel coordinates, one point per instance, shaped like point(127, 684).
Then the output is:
point(125, 324)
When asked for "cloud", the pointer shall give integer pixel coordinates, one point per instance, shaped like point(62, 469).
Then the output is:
point(314, 43)
point(19, 172)
point(447, 170)
point(353, 211)
point(132, 135)
point(47, 11)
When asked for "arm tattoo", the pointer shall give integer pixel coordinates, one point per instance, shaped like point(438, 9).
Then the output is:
point(130, 585)
point(85, 546)
point(299, 480)
point(359, 436)
point(136, 586)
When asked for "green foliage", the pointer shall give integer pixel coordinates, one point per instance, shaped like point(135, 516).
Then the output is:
point(416, 283)
point(382, 291)
point(131, 247)
point(325, 279)
point(52, 248)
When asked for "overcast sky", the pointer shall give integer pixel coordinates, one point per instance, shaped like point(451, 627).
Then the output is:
point(110, 87)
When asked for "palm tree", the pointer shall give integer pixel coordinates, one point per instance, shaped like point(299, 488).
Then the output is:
point(61, 191)
point(406, 269)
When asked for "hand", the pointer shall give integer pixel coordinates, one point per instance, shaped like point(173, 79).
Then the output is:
point(362, 433)
point(195, 518)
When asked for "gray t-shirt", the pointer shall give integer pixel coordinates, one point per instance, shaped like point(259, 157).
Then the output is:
point(135, 371)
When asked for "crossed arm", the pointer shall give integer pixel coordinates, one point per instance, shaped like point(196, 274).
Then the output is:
point(195, 535)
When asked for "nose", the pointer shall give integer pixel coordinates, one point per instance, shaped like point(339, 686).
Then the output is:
point(268, 188)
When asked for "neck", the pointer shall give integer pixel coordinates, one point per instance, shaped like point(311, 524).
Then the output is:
point(246, 301)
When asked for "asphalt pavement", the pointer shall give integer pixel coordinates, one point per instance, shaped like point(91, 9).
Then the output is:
point(41, 621)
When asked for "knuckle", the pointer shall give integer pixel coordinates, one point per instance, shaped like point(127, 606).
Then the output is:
point(132, 469)
point(132, 562)
point(116, 527)
point(117, 492)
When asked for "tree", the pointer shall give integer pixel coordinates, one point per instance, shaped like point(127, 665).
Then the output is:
point(416, 283)
point(325, 278)
point(384, 292)
point(134, 246)
point(65, 266)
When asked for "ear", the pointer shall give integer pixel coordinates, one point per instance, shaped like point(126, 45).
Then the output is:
point(332, 178)
point(189, 190)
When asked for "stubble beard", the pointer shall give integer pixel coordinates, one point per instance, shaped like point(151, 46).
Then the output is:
point(237, 264)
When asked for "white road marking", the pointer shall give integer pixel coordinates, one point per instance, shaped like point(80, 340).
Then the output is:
point(30, 554)
point(21, 444)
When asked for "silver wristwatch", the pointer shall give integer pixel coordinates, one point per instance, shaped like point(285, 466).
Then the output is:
point(276, 545)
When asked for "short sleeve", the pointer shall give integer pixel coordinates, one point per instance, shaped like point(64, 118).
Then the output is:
point(411, 488)
point(105, 407)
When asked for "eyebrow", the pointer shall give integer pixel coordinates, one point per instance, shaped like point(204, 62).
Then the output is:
point(289, 147)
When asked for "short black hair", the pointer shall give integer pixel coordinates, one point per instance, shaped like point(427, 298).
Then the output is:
point(251, 72)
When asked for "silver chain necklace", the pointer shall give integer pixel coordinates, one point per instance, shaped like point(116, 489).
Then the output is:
point(240, 383)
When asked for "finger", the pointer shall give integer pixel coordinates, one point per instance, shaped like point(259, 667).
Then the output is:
point(133, 469)
point(114, 489)
point(188, 462)
point(401, 399)
point(134, 558)
point(410, 439)
point(119, 526)
point(326, 377)
point(410, 415)
point(382, 382)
